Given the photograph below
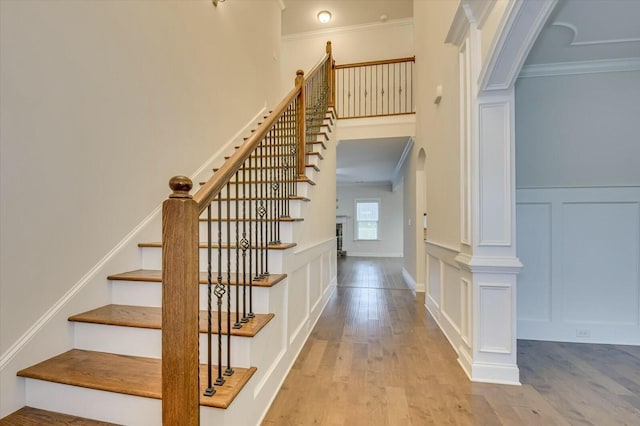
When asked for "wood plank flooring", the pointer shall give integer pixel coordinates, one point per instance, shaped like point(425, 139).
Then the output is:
point(376, 357)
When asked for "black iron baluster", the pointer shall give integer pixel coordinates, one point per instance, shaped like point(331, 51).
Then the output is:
point(251, 233)
point(210, 390)
point(244, 243)
point(229, 370)
point(219, 292)
point(237, 324)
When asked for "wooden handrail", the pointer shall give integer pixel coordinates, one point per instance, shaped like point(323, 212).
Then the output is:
point(382, 62)
point(209, 190)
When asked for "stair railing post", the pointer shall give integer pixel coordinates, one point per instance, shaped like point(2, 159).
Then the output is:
point(331, 77)
point(180, 364)
point(301, 124)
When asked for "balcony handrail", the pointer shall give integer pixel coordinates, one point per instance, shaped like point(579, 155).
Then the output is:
point(379, 62)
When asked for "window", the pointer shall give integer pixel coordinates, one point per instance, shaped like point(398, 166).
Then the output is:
point(367, 219)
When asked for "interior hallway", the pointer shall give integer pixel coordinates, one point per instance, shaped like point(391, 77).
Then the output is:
point(376, 357)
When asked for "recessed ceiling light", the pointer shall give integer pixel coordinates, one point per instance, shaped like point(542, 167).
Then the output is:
point(324, 16)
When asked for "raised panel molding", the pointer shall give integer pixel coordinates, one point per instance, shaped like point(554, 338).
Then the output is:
point(465, 321)
point(495, 312)
point(595, 263)
point(495, 174)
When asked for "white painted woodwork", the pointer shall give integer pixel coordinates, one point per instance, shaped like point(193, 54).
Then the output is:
point(581, 253)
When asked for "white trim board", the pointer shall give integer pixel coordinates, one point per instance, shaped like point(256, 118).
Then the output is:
point(580, 67)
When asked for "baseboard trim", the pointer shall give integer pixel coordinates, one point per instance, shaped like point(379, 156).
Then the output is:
point(501, 374)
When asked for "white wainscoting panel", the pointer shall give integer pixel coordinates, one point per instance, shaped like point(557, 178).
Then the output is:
point(452, 304)
point(534, 245)
point(495, 305)
point(434, 280)
point(495, 179)
point(581, 253)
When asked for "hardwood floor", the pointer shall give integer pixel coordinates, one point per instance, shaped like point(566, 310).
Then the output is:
point(376, 357)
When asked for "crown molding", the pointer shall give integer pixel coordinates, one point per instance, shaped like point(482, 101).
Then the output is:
point(349, 29)
point(580, 67)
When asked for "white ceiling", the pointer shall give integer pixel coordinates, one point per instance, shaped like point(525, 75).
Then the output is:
point(587, 30)
point(301, 15)
point(369, 160)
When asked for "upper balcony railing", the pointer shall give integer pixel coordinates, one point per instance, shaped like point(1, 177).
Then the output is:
point(375, 89)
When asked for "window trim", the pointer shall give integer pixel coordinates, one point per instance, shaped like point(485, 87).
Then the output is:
point(355, 216)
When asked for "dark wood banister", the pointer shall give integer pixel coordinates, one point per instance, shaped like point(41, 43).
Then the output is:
point(382, 62)
point(180, 270)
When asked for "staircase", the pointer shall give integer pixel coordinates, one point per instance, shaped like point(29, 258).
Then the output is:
point(114, 371)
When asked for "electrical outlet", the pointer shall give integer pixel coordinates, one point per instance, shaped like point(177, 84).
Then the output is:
point(583, 333)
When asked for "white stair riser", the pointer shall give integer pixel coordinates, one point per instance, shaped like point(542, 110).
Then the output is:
point(287, 234)
point(278, 173)
point(150, 294)
point(295, 208)
point(100, 405)
point(146, 342)
point(302, 189)
point(152, 259)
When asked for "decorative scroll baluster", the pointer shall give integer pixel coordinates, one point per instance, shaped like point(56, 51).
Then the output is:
point(237, 324)
point(219, 292)
point(244, 243)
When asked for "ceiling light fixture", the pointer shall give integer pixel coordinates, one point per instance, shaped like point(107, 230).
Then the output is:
point(324, 16)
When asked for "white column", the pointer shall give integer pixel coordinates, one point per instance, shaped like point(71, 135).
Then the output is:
point(487, 258)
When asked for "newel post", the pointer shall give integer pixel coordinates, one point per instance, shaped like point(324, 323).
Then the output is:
point(331, 77)
point(301, 124)
point(180, 365)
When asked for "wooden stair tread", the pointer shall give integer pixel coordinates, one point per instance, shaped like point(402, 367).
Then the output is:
point(309, 166)
point(155, 276)
point(281, 246)
point(278, 155)
point(151, 317)
point(28, 416)
point(253, 219)
point(128, 375)
point(290, 198)
point(241, 182)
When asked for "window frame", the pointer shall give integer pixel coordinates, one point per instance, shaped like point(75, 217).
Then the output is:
point(356, 221)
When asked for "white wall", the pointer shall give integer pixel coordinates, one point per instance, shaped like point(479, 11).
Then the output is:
point(390, 227)
point(437, 133)
point(578, 207)
point(360, 43)
point(102, 102)
point(578, 130)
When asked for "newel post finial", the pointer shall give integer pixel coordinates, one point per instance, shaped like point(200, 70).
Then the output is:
point(329, 47)
point(180, 185)
point(299, 77)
